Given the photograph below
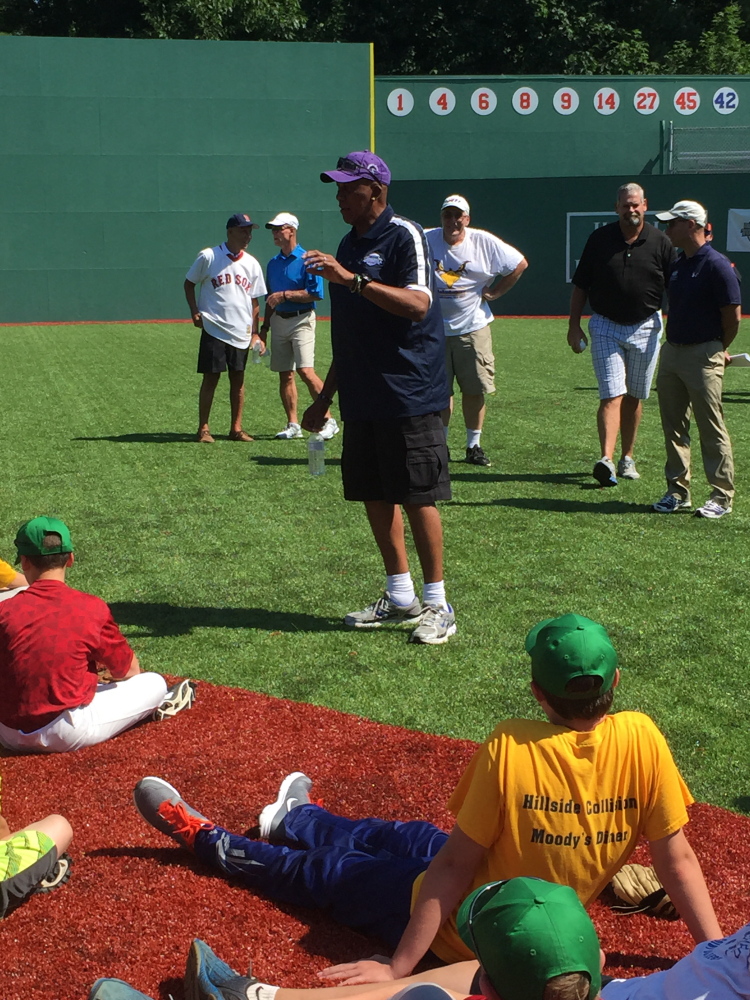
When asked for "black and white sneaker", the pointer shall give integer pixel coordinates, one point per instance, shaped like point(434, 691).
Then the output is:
point(294, 791)
point(59, 876)
point(178, 697)
point(475, 456)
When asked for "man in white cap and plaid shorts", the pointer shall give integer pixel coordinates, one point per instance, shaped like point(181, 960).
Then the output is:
point(623, 272)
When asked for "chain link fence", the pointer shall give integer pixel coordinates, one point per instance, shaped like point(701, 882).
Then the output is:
point(709, 150)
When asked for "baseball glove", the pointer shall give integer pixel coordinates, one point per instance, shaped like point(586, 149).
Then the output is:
point(641, 892)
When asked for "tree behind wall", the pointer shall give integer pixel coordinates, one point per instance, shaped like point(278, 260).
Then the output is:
point(414, 36)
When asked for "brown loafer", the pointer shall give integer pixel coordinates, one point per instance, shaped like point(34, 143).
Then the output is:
point(239, 436)
point(204, 436)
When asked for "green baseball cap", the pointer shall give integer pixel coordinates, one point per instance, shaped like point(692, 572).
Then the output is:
point(567, 647)
point(30, 537)
point(524, 931)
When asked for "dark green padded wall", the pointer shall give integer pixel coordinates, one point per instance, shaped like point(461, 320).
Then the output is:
point(121, 159)
point(430, 143)
point(532, 214)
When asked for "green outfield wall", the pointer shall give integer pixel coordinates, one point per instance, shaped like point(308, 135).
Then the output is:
point(121, 159)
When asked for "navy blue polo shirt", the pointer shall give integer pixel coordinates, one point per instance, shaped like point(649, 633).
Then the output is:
point(288, 274)
point(700, 285)
point(387, 367)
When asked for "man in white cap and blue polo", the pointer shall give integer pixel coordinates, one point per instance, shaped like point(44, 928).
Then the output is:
point(290, 318)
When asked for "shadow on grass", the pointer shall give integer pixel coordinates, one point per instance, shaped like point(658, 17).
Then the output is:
point(157, 437)
point(170, 619)
point(585, 388)
point(742, 803)
point(559, 506)
point(735, 396)
point(558, 478)
point(274, 460)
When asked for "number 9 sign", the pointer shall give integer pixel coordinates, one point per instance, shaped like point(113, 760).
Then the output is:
point(442, 101)
point(483, 101)
point(565, 101)
point(525, 101)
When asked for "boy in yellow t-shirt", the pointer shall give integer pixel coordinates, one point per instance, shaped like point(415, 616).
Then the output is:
point(564, 800)
point(9, 578)
point(32, 859)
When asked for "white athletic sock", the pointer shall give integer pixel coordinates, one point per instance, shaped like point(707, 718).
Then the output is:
point(401, 588)
point(262, 991)
point(434, 594)
point(446, 428)
point(472, 438)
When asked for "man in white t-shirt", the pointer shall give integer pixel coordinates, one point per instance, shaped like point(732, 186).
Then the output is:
point(229, 283)
point(472, 268)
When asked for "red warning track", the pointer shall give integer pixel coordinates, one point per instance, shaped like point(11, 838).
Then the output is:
point(136, 900)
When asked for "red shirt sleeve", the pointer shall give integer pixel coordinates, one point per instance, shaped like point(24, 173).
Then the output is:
point(113, 649)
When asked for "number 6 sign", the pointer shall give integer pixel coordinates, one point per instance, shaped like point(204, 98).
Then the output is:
point(483, 101)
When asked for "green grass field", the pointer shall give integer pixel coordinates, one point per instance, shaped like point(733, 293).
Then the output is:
point(230, 563)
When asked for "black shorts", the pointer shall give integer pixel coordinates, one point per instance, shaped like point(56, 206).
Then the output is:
point(15, 889)
point(216, 356)
point(396, 461)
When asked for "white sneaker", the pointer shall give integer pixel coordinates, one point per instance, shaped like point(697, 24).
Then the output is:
point(290, 431)
point(626, 469)
point(330, 427)
point(713, 510)
point(670, 503)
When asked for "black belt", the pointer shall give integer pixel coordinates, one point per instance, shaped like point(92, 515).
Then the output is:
point(298, 312)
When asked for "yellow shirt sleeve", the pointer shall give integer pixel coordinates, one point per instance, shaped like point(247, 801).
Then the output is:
point(7, 574)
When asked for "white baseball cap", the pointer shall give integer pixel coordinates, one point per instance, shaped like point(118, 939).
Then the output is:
point(685, 210)
point(456, 201)
point(284, 219)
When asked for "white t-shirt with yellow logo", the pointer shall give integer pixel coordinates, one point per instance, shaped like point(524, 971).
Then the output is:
point(553, 803)
point(463, 271)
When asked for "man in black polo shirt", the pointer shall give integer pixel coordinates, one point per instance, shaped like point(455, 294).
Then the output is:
point(389, 369)
point(623, 272)
point(704, 317)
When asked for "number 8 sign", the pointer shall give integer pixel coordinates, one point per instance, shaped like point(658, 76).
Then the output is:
point(525, 101)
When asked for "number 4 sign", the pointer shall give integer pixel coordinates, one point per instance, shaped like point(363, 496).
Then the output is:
point(442, 101)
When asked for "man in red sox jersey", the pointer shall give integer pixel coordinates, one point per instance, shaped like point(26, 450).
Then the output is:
point(229, 283)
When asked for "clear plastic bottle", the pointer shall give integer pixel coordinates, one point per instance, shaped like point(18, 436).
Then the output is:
point(256, 353)
point(316, 455)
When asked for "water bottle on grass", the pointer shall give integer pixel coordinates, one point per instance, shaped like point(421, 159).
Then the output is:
point(316, 455)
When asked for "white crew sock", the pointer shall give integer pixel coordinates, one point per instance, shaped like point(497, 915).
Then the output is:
point(434, 594)
point(472, 438)
point(401, 588)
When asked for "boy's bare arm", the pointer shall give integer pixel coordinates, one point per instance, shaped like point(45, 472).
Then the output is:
point(4, 828)
point(681, 875)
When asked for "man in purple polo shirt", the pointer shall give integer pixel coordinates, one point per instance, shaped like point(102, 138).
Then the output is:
point(389, 370)
point(704, 318)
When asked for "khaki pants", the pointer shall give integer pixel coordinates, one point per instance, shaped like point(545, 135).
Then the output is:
point(689, 381)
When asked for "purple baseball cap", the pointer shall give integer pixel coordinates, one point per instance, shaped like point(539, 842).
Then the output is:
point(241, 220)
point(362, 165)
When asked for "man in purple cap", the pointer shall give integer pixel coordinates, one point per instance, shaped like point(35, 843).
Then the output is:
point(389, 369)
point(229, 282)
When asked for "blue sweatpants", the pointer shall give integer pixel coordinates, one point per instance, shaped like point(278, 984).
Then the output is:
point(361, 872)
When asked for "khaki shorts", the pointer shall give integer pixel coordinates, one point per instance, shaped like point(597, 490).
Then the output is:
point(469, 359)
point(293, 342)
